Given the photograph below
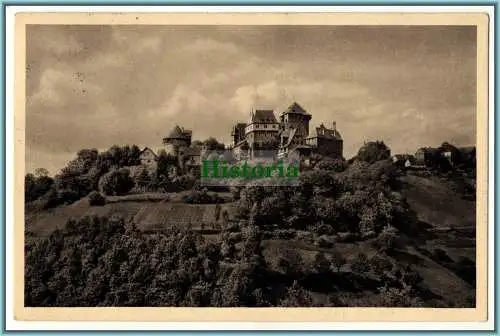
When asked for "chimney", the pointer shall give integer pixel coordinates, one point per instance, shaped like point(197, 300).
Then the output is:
point(334, 125)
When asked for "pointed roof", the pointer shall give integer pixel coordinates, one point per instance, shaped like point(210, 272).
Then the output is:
point(147, 149)
point(295, 108)
point(176, 132)
point(179, 133)
point(264, 116)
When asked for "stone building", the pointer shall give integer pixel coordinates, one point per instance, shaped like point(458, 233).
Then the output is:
point(289, 136)
point(177, 141)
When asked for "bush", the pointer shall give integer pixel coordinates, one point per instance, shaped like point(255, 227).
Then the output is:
point(323, 229)
point(374, 151)
point(96, 198)
point(116, 182)
point(284, 234)
point(386, 239)
point(347, 237)
point(337, 259)
point(235, 237)
point(325, 241)
point(395, 297)
point(441, 255)
point(360, 264)
point(381, 264)
point(305, 236)
point(202, 197)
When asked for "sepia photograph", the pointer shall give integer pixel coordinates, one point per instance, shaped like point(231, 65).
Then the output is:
point(267, 164)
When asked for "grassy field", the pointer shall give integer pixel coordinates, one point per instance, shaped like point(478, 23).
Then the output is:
point(436, 204)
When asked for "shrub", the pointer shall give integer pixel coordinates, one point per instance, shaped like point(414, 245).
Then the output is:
point(323, 229)
point(305, 236)
point(283, 234)
point(321, 264)
point(441, 255)
point(202, 197)
point(235, 237)
point(381, 264)
point(410, 276)
point(360, 264)
point(337, 259)
point(395, 297)
point(347, 237)
point(386, 239)
point(116, 182)
point(325, 241)
point(96, 198)
point(296, 296)
point(374, 151)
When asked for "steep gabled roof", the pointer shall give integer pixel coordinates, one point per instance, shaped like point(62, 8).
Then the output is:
point(295, 108)
point(264, 116)
point(147, 149)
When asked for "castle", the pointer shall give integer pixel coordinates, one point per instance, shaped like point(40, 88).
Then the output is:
point(290, 135)
point(264, 134)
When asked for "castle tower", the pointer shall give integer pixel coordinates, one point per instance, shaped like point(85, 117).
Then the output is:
point(262, 131)
point(295, 117)
point(177, 141)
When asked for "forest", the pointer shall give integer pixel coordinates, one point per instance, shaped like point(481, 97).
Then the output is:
point(343, 235)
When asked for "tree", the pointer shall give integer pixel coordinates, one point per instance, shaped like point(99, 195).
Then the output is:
point(360, 264)
point(337, 260)
point(296, 296)
point(212, 144)
point(96, 198)
point(41, 172)
point(37, 186)
point(374, 151)
point(321, 263)
point(116, 182)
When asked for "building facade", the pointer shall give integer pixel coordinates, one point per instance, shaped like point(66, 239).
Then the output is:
point(286, 137)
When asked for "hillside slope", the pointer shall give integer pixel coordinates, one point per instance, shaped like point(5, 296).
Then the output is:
point(147, 215)
point(436, 204)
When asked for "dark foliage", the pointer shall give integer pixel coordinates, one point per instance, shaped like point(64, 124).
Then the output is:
point(116, 182)
point(373, 151)
point(96, 199)
point(202, 197)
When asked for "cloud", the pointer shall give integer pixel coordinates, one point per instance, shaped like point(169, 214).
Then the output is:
point(95, 86)
point(205, 46)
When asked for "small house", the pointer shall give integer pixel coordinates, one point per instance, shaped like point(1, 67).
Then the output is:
point(148, 158)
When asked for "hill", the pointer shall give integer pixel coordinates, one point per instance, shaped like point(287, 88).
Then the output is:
point(437, 204)
point(435, 257)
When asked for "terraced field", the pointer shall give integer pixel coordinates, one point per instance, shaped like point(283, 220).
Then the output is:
point(149, 216)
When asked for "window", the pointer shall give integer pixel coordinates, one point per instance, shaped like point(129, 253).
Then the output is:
point(265, 126)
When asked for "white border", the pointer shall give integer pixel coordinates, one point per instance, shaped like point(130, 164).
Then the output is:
point(12, 324)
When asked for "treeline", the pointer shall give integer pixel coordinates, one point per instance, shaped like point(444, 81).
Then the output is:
point(111, 172)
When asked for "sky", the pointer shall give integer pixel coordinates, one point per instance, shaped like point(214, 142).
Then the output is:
point(96, 86)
